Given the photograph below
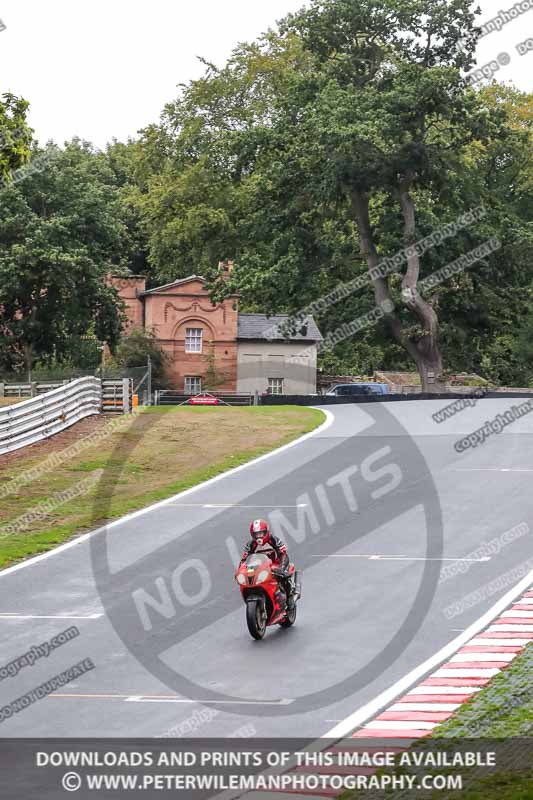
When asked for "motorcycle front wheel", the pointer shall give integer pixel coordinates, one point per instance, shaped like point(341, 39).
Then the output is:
point(256, 618)
point(290, 618)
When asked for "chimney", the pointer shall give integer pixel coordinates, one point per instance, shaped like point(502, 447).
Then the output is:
point(225, 268)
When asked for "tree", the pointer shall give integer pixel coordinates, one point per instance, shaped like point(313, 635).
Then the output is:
point(15, 136)
point(60, 234)
point(213, 377)
point(386, 117)
point(485, 315)
point(136, 347)
point(123, 162)
point(327, 145)
point(195, 207)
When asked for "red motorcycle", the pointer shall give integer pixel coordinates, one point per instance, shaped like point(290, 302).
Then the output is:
point(266, 601)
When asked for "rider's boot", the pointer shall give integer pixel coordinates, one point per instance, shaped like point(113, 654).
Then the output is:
point(291, 596)
point(281, 599)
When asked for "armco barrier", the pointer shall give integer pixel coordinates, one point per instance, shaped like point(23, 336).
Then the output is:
point(40, 417)
point(116, 393)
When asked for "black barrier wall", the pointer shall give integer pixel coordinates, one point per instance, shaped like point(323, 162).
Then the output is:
point(323, 399)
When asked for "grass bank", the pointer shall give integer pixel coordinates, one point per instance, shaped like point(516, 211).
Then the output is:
point(50, 492)
point(504, 708)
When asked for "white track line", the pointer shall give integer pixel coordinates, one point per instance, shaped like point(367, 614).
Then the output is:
point(519, 613)
point(361, 715)
point(232, 505)
point(424, 707)
point(166, 698)
point(48, 616)
point(510, 629)
point(467, 657)
point(396, 558)
point(451, 690)
point(330, 418)
point(481, 642)
point(186, 701)
point(489, 469)
point(469, 672)
point(400, 725)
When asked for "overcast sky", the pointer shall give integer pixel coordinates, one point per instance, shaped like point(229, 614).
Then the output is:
point(100, 69)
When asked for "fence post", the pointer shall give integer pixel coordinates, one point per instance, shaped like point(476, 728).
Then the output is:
point(126, 396)
point(149, 381)
point(2, 389)
point(256, 398)
point(33, 388)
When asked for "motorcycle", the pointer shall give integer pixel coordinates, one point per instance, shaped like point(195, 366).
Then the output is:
point(266, 601)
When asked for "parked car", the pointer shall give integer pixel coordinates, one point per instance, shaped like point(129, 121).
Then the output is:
point(348, 389)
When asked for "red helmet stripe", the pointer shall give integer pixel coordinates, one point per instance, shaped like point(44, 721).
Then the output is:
point(258, 525)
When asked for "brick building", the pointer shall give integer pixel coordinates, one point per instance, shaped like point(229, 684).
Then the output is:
point(214, 345)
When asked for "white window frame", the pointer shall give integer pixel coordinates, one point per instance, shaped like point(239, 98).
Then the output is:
point(194, 340)
point(275, 386)
point(193, 381)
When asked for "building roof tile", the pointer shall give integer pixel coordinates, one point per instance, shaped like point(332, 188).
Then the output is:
point(260, 326)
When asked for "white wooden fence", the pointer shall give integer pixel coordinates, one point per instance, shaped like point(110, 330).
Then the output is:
point(29, 389)
point(41, 416)
point(117, 396)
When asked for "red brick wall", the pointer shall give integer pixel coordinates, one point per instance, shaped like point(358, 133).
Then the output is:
point(129, 290)
point(169, 312)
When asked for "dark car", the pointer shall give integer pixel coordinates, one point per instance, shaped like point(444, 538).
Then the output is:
point(349, 389)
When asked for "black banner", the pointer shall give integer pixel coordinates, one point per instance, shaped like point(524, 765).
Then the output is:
point(206, 768)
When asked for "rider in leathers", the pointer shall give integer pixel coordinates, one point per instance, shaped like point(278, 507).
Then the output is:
point(264, 541)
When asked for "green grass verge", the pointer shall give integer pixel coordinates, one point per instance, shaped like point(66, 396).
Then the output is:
point(501, 710)
point(504, 708)
point(144, 474)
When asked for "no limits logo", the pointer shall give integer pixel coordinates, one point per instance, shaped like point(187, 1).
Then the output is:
point(175, 605)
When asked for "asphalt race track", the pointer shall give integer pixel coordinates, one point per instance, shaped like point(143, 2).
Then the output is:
point(161, 618)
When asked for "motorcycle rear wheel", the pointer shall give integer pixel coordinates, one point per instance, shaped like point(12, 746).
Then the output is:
point(256, 618)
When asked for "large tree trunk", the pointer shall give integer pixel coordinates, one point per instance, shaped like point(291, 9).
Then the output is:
point(429, 357)
point(424, 350)
point(429, 365)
